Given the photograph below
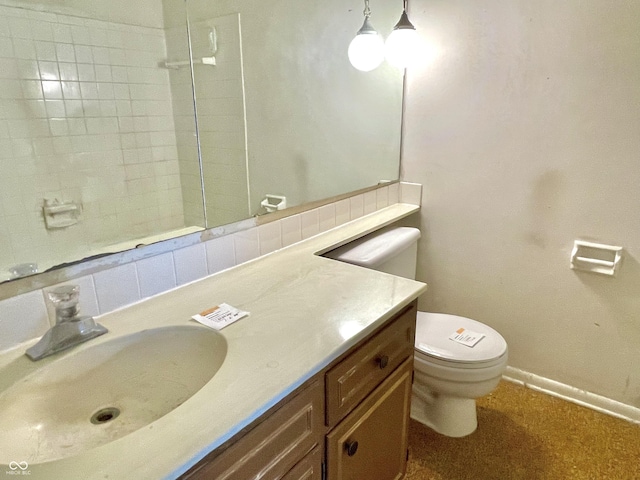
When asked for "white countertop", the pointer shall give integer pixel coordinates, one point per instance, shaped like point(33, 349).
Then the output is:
point(305, 311)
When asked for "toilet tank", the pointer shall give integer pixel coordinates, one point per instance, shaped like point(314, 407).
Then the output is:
point(391, 250)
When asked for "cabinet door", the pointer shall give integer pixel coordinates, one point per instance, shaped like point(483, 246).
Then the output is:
point(371, 442)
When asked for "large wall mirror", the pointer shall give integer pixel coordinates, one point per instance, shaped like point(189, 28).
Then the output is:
point(126, 123)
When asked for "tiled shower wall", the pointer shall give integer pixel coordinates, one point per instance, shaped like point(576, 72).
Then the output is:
point(25, 316)
point(221, 114)
point(85, 116)
point(184, 121)
point(221, 120)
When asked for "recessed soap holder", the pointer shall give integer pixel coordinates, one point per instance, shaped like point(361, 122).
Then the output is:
point(59, 214)
point(596, 257)
point(272, 203)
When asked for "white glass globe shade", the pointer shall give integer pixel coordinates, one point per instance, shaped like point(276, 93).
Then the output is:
point(401, 48)
point(366, 51)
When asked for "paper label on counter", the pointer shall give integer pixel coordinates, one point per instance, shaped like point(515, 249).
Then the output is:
point(220, 316)
point(466, 337)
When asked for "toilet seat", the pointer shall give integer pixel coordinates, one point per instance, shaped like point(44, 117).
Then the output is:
point(433, 344)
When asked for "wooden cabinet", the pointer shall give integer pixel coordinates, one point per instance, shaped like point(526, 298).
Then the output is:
point(368, 402)
point(272, 448)
point(309, 468)
point(351, 380)
point(351, 418)
point(371, 442)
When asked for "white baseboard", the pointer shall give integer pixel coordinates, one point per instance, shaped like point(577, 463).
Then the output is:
point(573, 394)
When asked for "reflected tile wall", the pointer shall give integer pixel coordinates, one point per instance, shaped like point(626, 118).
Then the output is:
point(221, 111)
point(185, 128)
point(85, 116)
point(221, 122)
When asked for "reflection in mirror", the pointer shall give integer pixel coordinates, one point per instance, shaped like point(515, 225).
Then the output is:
point(318, 127)
point(88, 150)
point(99, 143)
point(283, 109)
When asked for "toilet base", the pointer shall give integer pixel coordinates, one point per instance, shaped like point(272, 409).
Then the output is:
point(447, 415)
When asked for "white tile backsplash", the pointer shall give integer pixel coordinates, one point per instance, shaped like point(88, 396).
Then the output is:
point(370, 202)
point(270, 237)
point(22, 318)
point(357, 206)
point(291, 230)
point(116, 287)
point(327, 217)
point(343, 211)
point(156, 274)
point(309, 223)
point(191, 263)
point(411, 193)
point(394, 193)
point(220, 254)
point(25, 316)
point(382, 197)
point(247, 245)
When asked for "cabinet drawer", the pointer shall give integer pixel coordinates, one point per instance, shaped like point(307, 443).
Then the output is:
point(371, 442)
point(273, 447)
point(349, 382)
point(309, 468)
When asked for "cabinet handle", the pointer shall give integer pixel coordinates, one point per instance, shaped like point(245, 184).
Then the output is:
point(351, 448)
point(382, 361)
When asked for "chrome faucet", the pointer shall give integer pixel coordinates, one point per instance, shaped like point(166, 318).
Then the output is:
point(70, 329)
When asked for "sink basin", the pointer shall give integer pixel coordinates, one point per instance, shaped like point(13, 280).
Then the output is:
point(101, 393)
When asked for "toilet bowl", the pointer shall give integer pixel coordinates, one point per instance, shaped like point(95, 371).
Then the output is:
point(448, 375)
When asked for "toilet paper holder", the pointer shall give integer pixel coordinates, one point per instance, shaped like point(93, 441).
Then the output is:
point(596, 257)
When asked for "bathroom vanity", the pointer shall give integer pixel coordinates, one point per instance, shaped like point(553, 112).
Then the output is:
point(318, 373)
point(359, 404)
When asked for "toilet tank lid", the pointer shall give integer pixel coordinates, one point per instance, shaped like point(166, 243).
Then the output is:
point(377, 247)
point(432, 338)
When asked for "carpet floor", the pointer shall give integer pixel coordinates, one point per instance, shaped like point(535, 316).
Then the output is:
point(526, 435)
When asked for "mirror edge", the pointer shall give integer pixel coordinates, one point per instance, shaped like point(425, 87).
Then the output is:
point(91, 265)
point(83, 267)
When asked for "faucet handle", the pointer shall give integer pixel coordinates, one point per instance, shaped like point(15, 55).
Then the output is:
point(65, 299)
point(64, 296)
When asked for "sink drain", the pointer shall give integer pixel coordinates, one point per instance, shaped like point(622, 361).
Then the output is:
point(104, 415)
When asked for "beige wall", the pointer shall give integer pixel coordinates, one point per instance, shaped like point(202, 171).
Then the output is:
point(523, 124)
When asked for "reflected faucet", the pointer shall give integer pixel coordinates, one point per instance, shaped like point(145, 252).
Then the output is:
point(71, 328)
point(22, 270)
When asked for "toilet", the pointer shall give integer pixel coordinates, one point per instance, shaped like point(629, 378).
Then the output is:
point(449, 375)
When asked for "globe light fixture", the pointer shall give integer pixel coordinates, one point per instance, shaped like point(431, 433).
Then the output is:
point(366, 50)
point(400, 49)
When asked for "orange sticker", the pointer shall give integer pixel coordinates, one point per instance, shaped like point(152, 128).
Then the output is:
point(211, 310)
point(460, 330)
